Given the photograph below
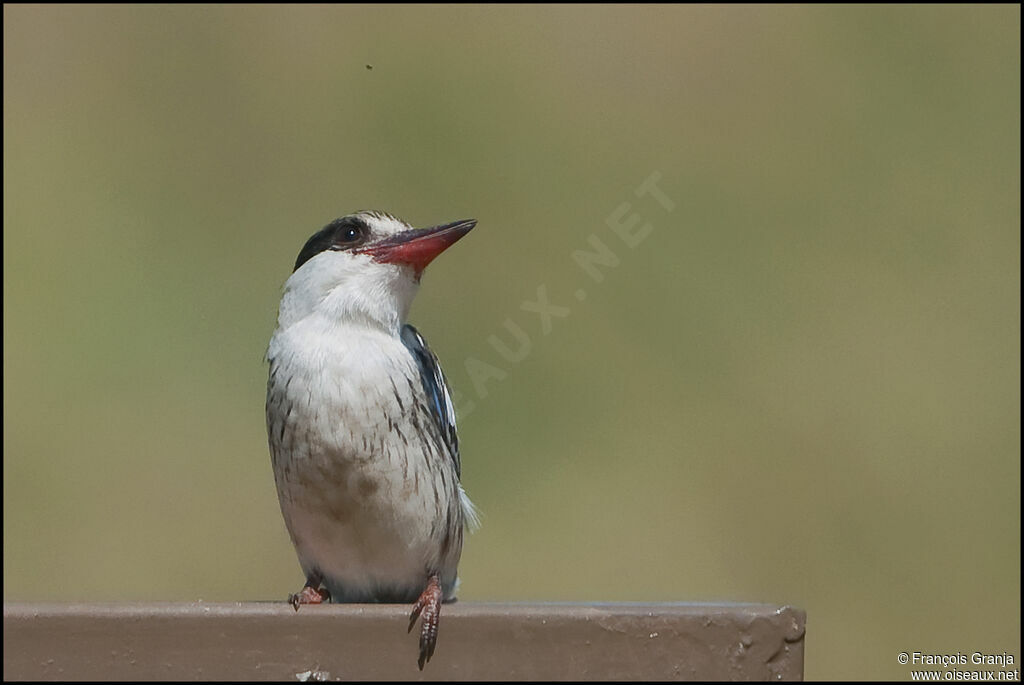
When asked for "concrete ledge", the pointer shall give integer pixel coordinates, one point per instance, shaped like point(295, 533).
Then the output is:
point(270, 641)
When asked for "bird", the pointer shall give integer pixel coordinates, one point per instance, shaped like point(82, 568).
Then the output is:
point(361, 423)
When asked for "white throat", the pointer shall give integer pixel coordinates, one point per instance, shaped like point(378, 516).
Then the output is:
point(344, 288)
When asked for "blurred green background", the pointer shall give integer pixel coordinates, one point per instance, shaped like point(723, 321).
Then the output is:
point(803, 386)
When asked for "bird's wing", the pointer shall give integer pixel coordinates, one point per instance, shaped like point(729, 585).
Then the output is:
point(436, 388)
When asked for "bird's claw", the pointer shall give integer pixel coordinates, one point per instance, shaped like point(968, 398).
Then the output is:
point(429, 605)
point(309, 595)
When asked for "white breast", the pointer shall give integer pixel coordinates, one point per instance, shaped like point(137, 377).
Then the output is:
point(352, 450)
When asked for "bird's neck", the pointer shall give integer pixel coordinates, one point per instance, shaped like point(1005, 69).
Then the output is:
point(385, 309)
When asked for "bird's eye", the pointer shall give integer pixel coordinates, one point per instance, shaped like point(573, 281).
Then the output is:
point(349, 234)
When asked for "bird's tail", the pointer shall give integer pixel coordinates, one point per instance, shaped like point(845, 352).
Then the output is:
point(469, 511)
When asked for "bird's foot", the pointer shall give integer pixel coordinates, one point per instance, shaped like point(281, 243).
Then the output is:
point(429, 604)
point(309, 595)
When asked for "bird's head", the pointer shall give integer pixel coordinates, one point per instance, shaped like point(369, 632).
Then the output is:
point(364, 268)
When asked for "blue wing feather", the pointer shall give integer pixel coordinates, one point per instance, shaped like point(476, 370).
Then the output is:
point(436, 387)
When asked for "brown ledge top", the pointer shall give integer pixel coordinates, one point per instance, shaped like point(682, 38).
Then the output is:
point(477, 641)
